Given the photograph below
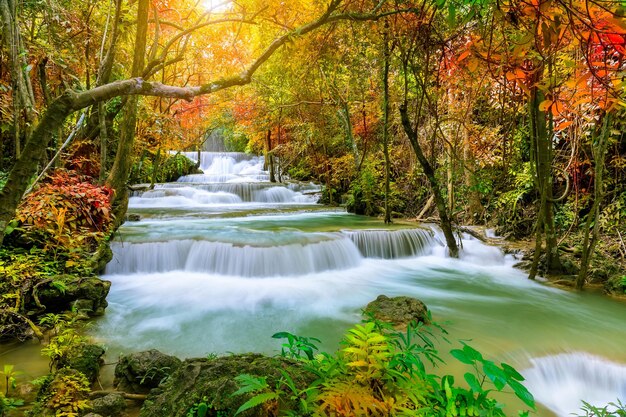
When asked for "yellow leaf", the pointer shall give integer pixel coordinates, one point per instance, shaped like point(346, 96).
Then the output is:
point(544, 105)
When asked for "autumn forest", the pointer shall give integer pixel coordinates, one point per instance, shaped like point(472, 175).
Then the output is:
point(288, 161)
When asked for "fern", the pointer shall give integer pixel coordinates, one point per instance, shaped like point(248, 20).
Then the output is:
point(257, 400)
point(249, 383)
point(367, 352)
point(345, 399)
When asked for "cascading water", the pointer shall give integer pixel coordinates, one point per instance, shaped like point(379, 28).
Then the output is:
point(222, 260)
point(562, 382)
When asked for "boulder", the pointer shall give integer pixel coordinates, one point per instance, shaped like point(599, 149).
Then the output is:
point(85, 358)
point(212, 382)
point(91, 291)
point(140, 372)
point(399, 311)
point(111, 405)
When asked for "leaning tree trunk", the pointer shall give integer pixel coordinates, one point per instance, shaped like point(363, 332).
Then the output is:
point(123, 159)
point(446, 224)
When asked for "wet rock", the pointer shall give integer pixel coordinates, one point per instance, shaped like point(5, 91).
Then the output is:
point(140, 372)
point(399, 311)
point(91, 291)
point(212, 381)
point(133, 217)
point(111, 405)
point(85, 358)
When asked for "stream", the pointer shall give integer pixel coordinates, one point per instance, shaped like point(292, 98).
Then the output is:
point(221, 261)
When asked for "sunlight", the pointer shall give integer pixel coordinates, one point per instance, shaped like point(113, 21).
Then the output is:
point(217, 6)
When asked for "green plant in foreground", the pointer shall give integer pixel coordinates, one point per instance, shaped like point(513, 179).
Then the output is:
point(296, 346)
point(616, 409)
point(381, 372)
point(9, 374)
point(7, 404)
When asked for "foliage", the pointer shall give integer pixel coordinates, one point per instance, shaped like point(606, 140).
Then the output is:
point(7, 404)
point(66, 214)
point(67, 393)
point(9, 373)
point(65, 341)
point(199, 409)
point(381, 371)
point(612, 409)
point(160, 168)
point(297, 347)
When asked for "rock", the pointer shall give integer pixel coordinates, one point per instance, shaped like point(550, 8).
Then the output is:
point(92, 415)
point(212, 381)
point(142, 371)
point(85, 358)
point(133, 217)
point(91, 291)
point(111, 405)
point(399, 311)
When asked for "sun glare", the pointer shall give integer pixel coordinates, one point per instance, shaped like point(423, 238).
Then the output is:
point(217, 6)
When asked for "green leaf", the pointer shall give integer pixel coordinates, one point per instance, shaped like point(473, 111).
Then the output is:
point(511, 372)
point(495, 374)
point(249, 383)
point(461, 356)
point(472, 353)
point(523, 394)
point(472, 381)
point(257, 400)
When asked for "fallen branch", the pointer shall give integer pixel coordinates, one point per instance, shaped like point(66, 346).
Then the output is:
point(126, 395)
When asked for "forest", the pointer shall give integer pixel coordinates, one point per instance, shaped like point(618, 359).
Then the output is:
point(251, 139)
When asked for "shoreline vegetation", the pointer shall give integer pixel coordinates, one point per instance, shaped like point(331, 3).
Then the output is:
point(506, 115)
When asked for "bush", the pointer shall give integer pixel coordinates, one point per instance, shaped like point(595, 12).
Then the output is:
point(65, 213)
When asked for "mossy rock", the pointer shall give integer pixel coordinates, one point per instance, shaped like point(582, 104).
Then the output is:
point(140, 372)
point(399, 311)
point(63, 291)
point(85, 358)
point(111, 405)
point(213, 381)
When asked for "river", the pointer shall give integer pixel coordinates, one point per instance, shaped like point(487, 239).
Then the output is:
point(219, 262)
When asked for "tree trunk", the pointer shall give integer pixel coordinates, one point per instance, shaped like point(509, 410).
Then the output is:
point(24, 114)
point(123, 159)
point(541, 155)
point(269, 158)
point(589, 242)
point(446, 224)
point(386, 121)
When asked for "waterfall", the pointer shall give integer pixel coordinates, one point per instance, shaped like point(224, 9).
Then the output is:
point(392, 244)
point(232, 259)
point(561, 382)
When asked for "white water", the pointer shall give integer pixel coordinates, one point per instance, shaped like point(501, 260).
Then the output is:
point(561, 381)
point(193, 285)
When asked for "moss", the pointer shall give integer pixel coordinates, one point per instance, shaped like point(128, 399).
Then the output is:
point(85, 358)
point(215, 380)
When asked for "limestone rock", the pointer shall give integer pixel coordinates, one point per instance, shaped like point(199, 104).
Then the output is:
point(399, 311)
point(111, 405)
point(140, 372)
point(212, 381)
